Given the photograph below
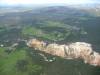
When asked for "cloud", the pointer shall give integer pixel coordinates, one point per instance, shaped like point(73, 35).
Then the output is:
point(11, 2)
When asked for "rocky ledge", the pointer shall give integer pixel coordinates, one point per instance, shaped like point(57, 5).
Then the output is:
point(77, 50)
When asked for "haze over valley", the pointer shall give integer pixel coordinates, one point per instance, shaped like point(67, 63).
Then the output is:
point(76, 26)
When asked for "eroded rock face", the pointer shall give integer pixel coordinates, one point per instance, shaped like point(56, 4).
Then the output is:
point(77, 50)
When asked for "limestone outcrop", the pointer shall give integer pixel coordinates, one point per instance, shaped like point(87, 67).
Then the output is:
point(77, 50)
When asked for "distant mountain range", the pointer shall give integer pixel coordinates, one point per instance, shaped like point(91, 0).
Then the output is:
point(93, 8)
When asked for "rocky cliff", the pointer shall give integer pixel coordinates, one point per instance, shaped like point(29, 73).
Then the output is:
point(77, 50)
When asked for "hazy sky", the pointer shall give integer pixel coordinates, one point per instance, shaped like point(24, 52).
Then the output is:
point(13, 2)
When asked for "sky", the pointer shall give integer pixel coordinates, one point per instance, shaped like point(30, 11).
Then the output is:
point(15, 2)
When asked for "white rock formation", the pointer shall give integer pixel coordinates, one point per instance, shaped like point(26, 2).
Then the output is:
point(77, 50)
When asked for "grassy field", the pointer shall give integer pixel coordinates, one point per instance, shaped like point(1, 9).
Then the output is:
point(17, 63)
point(54, 31)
